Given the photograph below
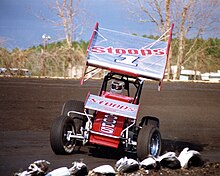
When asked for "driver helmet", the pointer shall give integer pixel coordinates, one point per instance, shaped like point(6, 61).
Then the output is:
point(117, 86)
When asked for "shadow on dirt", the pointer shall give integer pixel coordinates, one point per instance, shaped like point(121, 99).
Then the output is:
point(105, 152)
point(167, 146)
point(178, 146)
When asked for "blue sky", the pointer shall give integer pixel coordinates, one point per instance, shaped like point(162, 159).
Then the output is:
point(22, 29)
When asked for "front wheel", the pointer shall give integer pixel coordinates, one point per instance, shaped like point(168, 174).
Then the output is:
point(148, 142)
point(60, 140)
point(74, 105)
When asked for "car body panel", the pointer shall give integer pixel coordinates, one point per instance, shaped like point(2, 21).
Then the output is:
point(106, 129)
point(111, 106)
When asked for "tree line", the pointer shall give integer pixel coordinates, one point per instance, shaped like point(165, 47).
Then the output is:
point(54, 59)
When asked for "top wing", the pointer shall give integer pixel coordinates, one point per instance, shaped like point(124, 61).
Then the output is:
point(128, 54)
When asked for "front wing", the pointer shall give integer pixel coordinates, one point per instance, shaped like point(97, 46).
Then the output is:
point(110, 106)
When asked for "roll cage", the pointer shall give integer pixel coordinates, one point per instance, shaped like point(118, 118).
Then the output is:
point(128, 80)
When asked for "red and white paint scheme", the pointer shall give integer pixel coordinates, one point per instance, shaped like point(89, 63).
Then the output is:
point(129, 51)
point(111, 106)
point(107, 127)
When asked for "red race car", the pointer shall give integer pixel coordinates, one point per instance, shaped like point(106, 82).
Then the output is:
point(110, 119)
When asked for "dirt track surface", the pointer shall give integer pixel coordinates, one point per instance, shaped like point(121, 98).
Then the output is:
point(189, 117)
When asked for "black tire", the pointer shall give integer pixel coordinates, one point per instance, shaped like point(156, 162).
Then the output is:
point(58, 133)
point(148, 142)
point(74, 105)
point(149, 120)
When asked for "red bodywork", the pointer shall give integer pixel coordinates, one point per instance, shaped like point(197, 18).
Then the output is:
point(109, 129)
point(106, 129)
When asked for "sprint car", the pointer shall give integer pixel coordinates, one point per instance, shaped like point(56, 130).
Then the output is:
point(110, 118)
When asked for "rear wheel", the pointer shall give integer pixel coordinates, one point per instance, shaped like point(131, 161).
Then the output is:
point(60, 132)
point(148, 142)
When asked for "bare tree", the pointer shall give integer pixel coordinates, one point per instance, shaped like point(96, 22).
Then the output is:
point(182, 35)
point(2, 42)
point(69, 15)
point(169, 62)
point(196, 19)
point(156, 12)
point(192, 19)
point(153, 12)
point(5, 58)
